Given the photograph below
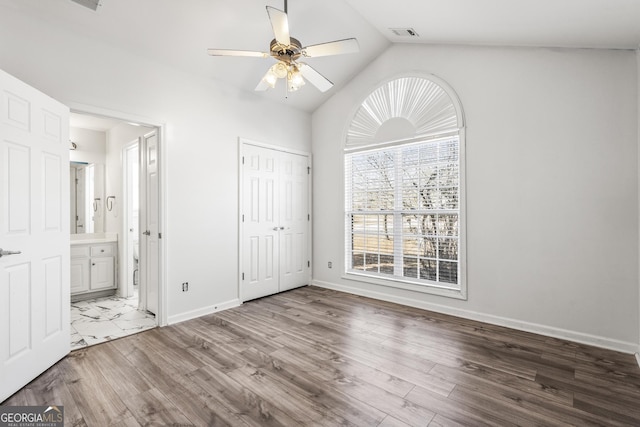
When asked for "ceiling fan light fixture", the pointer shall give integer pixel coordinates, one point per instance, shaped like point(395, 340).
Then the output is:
point(270, 79)
point(286, 50)
point(280, 69)
point(295, 80)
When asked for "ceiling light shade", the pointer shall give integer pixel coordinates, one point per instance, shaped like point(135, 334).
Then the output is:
point(280, 69)
point(270, 79)
point(294, 80)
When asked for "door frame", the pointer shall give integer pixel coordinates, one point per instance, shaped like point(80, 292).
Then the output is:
point(161, 316)
point(242, 142)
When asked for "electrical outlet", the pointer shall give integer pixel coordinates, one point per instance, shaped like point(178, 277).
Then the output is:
point(330, 264)
point(185, 286)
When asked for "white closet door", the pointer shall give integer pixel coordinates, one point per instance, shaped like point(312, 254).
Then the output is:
point(34, 220)
point(260, 226)
point(294, 211)
point(274, 224)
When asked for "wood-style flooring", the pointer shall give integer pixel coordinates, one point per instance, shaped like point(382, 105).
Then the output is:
point(317, 357)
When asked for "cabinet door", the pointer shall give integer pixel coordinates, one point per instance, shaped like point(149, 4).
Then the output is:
point(79, 275)
point(102, 273)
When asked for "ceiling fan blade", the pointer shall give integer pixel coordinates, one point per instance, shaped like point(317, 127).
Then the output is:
point(337, 47)
point(262, 86)
point(280, 25)
point(264, 82)
point(231, 52)
point(315, 78)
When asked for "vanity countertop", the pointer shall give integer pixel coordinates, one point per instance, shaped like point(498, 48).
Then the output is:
point(89, 239)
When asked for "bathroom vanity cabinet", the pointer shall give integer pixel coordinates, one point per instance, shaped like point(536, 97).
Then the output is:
point(93, 267)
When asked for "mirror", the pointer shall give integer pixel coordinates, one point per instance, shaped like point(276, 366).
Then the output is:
point(87, 210)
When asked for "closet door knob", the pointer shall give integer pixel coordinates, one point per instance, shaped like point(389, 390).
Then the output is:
point(5, 253)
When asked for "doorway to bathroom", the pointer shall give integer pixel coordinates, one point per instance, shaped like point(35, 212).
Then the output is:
point(126, 210)
point(141, 245)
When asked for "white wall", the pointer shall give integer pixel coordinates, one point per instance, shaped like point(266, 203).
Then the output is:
point(202, 122)
point(552, 187)
point(91, 146)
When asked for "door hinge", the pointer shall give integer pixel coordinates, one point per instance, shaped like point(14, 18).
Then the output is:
point(308, 217)
point(242, 276)
point(308, 263)
point(242, 217)
point(243, 160)
point(159, 235)
point(308, 170)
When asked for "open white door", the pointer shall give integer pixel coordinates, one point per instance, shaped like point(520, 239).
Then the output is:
point(132, 225)
point(34, 220)
point(149, 219)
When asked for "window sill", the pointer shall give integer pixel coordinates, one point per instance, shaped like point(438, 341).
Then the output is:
point(401, 284)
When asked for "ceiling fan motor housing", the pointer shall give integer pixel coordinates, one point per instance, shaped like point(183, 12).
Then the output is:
point(288, 53)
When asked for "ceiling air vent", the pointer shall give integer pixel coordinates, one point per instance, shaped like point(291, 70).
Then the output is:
point(91, 4)
point(404, 32)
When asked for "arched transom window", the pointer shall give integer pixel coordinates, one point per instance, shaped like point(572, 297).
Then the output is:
point(404, 188)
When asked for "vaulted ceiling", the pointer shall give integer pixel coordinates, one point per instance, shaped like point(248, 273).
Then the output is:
point(178, 32)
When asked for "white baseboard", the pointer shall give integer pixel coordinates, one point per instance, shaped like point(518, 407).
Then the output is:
point(622, 346)
point(177, 318)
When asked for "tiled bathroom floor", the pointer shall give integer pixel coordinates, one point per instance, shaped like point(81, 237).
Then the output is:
point(103, 319)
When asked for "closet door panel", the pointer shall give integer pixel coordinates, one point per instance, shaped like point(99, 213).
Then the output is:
point(259, 205)
point(294, 211)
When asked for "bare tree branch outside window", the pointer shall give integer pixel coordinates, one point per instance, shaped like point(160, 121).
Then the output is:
point(415, 188)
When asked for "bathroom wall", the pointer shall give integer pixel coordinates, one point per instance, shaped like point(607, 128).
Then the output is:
point(91, 146)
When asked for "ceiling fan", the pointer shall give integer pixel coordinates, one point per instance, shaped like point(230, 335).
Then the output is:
point(287, 51)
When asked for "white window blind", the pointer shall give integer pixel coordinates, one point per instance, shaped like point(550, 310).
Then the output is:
point(403, 212)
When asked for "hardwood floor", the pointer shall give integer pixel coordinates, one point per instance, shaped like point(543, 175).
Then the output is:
point(317, 357)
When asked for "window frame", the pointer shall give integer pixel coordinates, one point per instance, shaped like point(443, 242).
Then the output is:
point(405, 95)
point(435, 288)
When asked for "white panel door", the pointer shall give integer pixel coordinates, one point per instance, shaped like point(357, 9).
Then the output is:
point(294, 221)
point(150, 250)
point(260, 227)
point(275, 222)
point(34, 219)
point(132, 226)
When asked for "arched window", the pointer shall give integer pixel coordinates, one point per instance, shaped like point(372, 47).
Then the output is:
point(404, 188)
